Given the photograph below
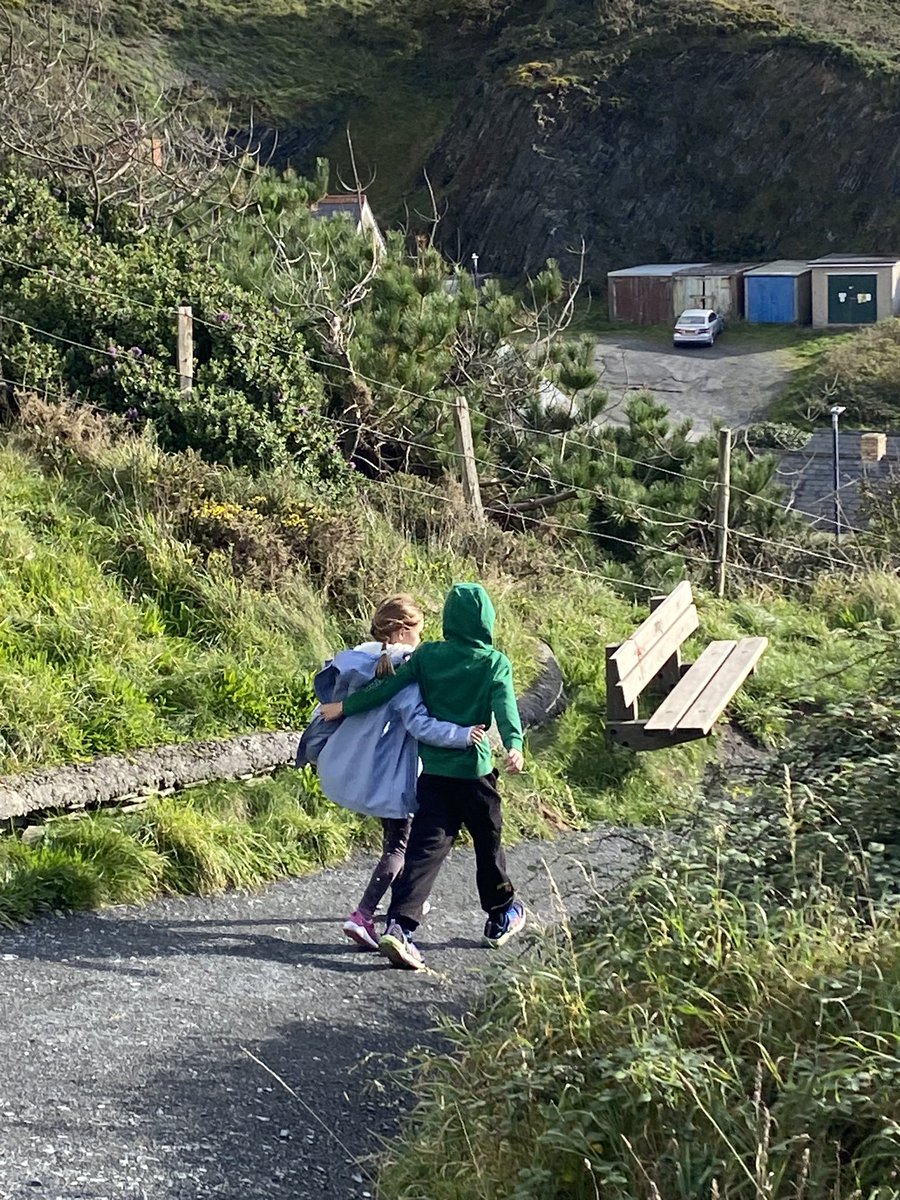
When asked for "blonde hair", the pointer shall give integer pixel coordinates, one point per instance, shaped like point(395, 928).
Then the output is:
point(392, 617)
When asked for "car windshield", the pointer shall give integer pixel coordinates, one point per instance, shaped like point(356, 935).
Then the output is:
point(692, 320)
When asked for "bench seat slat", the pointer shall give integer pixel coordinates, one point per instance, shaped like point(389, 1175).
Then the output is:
point(632, 650)
point(709, 705)
point(656, 654)
point(690, 687)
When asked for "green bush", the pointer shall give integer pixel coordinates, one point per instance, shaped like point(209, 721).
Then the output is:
point(860, 371)
point(777, 435)
point(106, 299)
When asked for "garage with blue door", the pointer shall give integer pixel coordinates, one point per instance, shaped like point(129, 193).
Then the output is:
point(779, 293)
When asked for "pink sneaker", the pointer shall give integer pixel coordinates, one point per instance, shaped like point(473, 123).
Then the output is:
point(361, 930)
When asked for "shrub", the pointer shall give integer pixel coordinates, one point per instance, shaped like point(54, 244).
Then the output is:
point(777, 435)
point(105, 299)
point(860, 371)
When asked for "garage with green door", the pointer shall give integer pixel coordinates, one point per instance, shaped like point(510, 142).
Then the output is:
point(854, 289)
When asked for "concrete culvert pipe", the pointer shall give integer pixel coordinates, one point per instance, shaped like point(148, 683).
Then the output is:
point(118, 778)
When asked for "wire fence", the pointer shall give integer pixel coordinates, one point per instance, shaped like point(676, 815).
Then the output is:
point(789, 550)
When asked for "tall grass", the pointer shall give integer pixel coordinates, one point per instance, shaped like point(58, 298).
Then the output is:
point(726, 1028)
point(114, 635)
point(237, 835)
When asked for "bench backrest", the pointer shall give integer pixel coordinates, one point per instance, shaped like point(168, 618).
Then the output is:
point(640, 658)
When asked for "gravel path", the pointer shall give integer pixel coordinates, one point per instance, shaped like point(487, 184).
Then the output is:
point(735, 380)
point(122, 1062)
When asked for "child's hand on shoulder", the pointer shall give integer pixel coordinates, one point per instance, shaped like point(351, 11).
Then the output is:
point(477, 734)
point(515, 761)
point(333, 711)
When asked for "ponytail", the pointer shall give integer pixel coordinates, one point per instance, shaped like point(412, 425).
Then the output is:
point(385, 665)
point(392, 617)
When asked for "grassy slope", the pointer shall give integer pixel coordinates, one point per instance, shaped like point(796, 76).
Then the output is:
point(118, 634)
point(111, 639)
point(871, 25)
point(393, 71)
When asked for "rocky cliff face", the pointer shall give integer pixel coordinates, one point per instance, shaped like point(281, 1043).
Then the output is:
point(705, 152)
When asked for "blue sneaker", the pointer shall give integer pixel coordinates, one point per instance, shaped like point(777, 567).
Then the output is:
point(498, 930)
point(397, 946)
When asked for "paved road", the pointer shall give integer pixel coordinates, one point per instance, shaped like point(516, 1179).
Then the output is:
point(123, 1070)
point(735, 380)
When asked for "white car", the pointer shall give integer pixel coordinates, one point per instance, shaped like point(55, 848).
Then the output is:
point(697, 327)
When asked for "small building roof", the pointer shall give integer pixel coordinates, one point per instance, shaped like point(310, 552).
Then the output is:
point(659, 270)
point(808, 475)
point(330, 206)
point(782, 266)
point(706, 270)
point(856, 260)
point(354, 205)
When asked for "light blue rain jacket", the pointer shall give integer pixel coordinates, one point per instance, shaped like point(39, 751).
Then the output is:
point(370, 762)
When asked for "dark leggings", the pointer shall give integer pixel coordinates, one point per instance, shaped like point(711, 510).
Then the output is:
point(393, 856)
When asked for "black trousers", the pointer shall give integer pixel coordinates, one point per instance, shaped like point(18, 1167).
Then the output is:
point(445, 806)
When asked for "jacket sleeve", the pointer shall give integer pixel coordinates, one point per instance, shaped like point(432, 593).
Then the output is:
point(503, 703)
point(379, 693)
point(421, 725)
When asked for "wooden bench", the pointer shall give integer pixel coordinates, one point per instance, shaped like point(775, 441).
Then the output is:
point(695, 694)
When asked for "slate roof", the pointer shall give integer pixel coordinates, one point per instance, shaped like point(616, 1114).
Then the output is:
point(808, 476)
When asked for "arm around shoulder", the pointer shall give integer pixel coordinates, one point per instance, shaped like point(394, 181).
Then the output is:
point(421, 725)
point(379, 693)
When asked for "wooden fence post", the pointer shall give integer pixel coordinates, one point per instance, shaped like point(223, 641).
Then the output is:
point(466, 449)
point(186, 349)
point(723, 496)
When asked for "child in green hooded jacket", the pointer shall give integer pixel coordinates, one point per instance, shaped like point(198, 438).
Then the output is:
point(463, 679)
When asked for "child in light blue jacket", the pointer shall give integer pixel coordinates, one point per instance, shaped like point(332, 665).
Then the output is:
point(370, 763)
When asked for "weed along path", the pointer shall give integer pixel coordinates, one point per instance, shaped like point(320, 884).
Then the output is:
point(126, 1036)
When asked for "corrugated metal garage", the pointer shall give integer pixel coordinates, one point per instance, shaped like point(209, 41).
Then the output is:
point(644, 295)
point(719, 286)
point(779, 293)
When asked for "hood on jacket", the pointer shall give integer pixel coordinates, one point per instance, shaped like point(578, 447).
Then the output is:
point(469, 615)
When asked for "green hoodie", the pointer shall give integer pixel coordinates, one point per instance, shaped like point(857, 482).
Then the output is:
point(463, 679)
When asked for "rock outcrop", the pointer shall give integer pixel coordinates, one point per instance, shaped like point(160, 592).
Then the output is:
point(713, 149)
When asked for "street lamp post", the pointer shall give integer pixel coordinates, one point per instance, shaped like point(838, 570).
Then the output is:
point(836, 410)
point(475, 269)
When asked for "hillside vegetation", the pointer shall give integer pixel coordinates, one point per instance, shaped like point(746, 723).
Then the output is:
point(150, 598)
point(409, 78)
point(726, 1027)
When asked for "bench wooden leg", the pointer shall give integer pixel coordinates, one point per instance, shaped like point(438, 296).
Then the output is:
point(633, 735)
point(616, 709)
